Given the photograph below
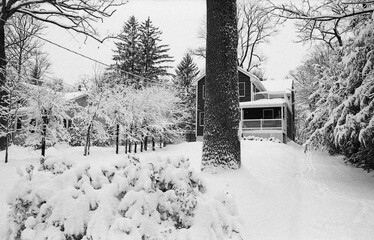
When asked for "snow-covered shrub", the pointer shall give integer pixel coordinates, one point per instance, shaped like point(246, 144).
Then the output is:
point(132, 199)
point(270, 139)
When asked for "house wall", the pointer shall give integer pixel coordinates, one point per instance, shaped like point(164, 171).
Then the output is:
point(200, 99)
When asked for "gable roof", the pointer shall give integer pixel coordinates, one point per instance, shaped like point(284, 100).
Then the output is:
point(252, 77)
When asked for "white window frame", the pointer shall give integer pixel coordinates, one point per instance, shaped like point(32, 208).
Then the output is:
point(200, 123)
point(272, 113)
point(243, 88)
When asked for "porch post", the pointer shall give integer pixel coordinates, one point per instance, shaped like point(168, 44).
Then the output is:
point(241, 124)
point(282, 113)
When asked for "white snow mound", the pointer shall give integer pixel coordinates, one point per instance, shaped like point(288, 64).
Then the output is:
point(130, 199)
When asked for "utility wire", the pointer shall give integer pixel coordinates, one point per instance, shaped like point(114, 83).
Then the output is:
point(77, 53)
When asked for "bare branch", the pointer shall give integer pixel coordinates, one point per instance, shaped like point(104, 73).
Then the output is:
point(327, 21)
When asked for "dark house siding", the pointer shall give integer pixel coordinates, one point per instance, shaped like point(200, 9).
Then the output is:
point(200, 106)
point(200, 100)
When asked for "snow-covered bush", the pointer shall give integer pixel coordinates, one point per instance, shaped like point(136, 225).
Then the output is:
point(270, 139)
point(132, 199)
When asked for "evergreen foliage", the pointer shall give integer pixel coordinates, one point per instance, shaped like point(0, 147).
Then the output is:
point(140, 52)
point(127, 55)
point(342, 106)
point(186, 72)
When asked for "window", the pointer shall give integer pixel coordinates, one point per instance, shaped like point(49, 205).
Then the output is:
point(67, 123)
point(33, 125)
point(241, 89)
point(203, 93)
point(201, 119)
point(19, 123)
point(268, 113)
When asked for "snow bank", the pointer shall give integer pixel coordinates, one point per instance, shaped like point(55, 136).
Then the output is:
point(130, 199)
point(271, 139)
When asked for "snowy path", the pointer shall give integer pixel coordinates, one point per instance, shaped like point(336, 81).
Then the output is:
point(281, 192)
point(291, 195)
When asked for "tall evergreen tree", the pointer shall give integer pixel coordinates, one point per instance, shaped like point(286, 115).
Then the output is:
point(154, 55)
point(186, 72)
point(127, 54)
point(139, 52)
point(221, 147)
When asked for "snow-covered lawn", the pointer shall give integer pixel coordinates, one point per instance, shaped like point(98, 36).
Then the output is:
point(281, 192)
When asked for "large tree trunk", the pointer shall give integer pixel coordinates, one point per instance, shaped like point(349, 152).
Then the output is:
point(3, 93)
point(221, 146)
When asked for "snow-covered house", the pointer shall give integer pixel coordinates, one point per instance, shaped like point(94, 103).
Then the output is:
point(267, 107)
point(78, 97)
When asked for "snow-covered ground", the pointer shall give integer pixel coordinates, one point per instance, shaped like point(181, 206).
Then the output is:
point(281, 192)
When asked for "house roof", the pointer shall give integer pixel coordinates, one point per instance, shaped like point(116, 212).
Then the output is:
point(278, 85)
point(253, 78)
point(276, 102)
point(71, 96)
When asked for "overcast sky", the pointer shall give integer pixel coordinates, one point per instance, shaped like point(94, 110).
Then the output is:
point(179, 20)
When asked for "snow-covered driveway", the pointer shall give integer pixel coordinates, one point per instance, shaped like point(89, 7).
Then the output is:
point(281, 192)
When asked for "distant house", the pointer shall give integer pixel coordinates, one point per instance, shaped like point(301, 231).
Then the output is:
point(79, 97)
point(267, 107)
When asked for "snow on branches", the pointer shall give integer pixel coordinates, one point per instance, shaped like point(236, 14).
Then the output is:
point(153, 111)
point(343, 114)
point(44, 111)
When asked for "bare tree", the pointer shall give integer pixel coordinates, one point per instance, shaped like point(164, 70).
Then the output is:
point(20, 42)
point(328, 20)
point(74, 15)
point(255, 26)
point(38, 66)
point(15, 99)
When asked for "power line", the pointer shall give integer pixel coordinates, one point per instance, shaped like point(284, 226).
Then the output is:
point(79, 54)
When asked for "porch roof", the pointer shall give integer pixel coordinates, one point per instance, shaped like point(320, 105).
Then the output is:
point(276, 102)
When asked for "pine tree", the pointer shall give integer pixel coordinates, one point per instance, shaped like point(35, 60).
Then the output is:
point(127, 54)
point(139, 52)
point(154, 55)
point(186, 72)
point(221, 147)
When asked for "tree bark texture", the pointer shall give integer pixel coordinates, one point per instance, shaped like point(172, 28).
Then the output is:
point(3, 93)
point(86, 146)
point(221, 145)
